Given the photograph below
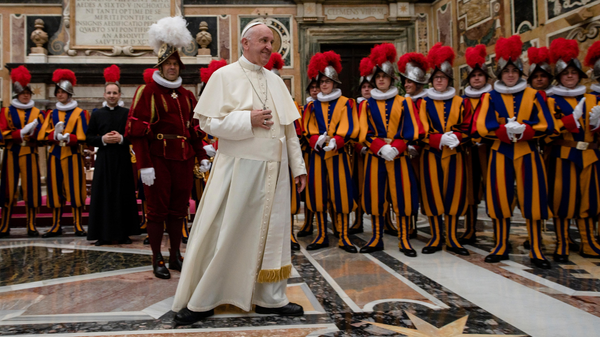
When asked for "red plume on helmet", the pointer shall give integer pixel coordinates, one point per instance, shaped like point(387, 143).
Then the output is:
point(563, 49)
point(64, 74)
point(334, 60)
point(475, 56)
point(206, 73)
point(366, 66)
point(593, 54)
point(112, 74)
point(509, 48)
point(276, 61)
point(148, 75)
point(417, 58)
point(538, 55)
point(20, 74)
point(382, 53)
point(316, 64)
point(439, 54)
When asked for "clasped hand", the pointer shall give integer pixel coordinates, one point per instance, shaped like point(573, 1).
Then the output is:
point(261, 119)
point(112, 137)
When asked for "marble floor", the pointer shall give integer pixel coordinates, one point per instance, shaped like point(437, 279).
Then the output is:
point(66, 286)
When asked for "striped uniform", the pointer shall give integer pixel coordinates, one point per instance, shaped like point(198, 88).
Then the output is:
point(575, 184)
point(20, 160)
point(66, 176)
point(358, 175)
point(329, 173)
point(295, 196)
point(307, 227)
point(520, 161)
point(394, 122)
point(476, 161)
point(443, 172)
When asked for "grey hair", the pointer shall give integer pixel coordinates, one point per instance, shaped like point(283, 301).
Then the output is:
point(246, 33)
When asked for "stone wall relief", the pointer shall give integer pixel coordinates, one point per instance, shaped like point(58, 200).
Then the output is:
point(422, 32)
point(444, 24)
point(479, 22)
point(557, 8)
point(282, 33)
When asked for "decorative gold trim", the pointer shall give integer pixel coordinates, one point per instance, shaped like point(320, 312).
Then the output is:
point(274, 275)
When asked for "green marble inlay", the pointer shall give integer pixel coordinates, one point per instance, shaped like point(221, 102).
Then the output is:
point(32, 264)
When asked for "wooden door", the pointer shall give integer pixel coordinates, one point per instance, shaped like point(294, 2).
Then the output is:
point(351, 55)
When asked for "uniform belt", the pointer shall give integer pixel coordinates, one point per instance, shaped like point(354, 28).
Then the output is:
point(161, 136)
point(582, 146)
point(26, 144)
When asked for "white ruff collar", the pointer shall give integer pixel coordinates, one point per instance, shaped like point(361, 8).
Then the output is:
point(335, 94)
point(503, 89)
point(566, 92)
point(595, 87)
point(15, 102)
point(166, 83)
point(550, 91)
point(105, 105)
point(66, 107)
point(249, 65)
point(421, 94)
point(360, 100)
point(441, 96)
point(477, 93)
point(382, 96)
point(309, 99)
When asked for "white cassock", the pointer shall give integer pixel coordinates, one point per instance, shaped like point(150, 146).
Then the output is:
point(239, 249)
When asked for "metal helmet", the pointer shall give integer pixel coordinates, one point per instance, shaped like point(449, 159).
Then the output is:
point(445, 68)
point(166, 36)
point(544, 67)
point(65, 80)
point(20, 77)
point(564, 53)
point(382, 57)
point(440, 58)
point(475, 57)
point(592, 60)
point(312, 80)
point(65, 85)
point(388, 68)
point(508, 51)
point(562, 65)
point(414, 66)
point(330, 72)
point(483, 67)
point(415, 74)
point(367, 69)
point(503, 63)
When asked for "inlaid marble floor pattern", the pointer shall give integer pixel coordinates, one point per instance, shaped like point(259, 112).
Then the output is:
point(67, 287)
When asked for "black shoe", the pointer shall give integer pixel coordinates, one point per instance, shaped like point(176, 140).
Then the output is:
point(290, 309)
point(357, 230)
point(80, 233)
point(526, 244)
point(543, 264)
point(582, 254)
point(458, 250)
point(100, 243)
point(349, 249)
point(493, 258)
point(573, 247)
point(302, 234)
point(52, 234)
point(147, 241)
point(430, 249)
point(469, 241)
point(391, 232)
point(370, 249)
point(412, 235)
point(126, 241)
point(409, 252)
point(186, 317)
point(175, 261)
point(561, 258)
point(160, 270)
point(315, 246)
point(295, 246)
point(33, 233)
point(4, 234)
point(184, 240)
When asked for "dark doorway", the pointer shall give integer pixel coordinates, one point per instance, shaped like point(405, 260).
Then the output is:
point(351, 55)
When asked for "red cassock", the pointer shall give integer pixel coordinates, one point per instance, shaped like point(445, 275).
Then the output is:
point(165, 136)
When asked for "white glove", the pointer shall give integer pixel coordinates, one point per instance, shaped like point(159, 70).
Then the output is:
point(321, 141)
point(210, 150)
point(58, 129)
point(205, 165)
point(363, 151)
point(61, 138)
point(388, 152)
point(147, 175)
point(412, 151)
point(578, 111)
point(450, 140)
point(29, 129)
point(331, 146)
point(514, 128)
point(595, 116)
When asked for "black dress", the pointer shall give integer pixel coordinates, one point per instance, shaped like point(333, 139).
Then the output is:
point(113, 205)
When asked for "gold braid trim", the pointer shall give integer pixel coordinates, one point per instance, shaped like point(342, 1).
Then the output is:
point(274, 275)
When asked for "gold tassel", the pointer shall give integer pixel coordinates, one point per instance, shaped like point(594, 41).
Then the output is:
point(274, 275)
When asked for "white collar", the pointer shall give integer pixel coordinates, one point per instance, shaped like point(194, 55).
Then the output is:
point(166, 83)
point(382, 96)
point(503, 89)
point(66, 107)
point(309, 99)
point(550, 91)
point(566, 92)
point(105, 105)
point(360, 100)
point(473, 93)
point(595, 87)
point(333, 95)
point(441, 96)
point(15, 102)
point(421, 94)
point(249, 65)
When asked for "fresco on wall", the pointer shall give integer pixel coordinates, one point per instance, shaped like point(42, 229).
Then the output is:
point(422, 31)
point(444, 24)
point(560, 7)
point(524, 17)
point(479, 22)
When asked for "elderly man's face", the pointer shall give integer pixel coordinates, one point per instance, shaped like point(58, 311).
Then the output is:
point(170, 68)
point(258, 45)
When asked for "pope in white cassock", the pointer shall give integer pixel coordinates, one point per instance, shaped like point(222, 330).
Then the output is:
point(239, 248)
